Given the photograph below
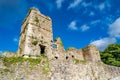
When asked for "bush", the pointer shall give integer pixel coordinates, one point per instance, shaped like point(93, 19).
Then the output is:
point(111, 55)
point(36, 20)
point(34, 42)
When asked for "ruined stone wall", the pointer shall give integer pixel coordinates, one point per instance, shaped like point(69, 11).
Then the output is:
point(83, 64)
point(91, 53)
point(36, 35)
point(72, 68)
point(60, 64)
point(59, 51)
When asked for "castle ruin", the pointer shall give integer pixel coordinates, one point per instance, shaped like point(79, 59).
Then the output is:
point(36, 39)
point(36, 35)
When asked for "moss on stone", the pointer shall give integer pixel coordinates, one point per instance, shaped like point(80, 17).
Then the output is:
point(61, 44)
point(34, 42)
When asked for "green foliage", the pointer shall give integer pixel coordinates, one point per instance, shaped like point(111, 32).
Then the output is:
point(36, 20)
point(34, 42)
point(111, 55)
point(76, 61)
point(46, 66)
point(61, 43)
point(83, 61)
point(44, 55)
point(68, 48)
point(13, 60)
point(1, 56)
point(43, 60)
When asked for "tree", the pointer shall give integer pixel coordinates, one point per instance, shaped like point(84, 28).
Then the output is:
point(111, 55)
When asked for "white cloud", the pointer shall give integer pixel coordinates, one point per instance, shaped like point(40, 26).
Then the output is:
point(74, 4)
point(101, 44)
point(84, 28)
point(101, 6)
point(95, 22)
point(84, 4)
point(59, 3)
point(72, 25)
point(114, 33)
point(114, 29)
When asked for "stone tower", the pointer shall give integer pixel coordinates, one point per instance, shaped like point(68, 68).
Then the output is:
point(36, 35)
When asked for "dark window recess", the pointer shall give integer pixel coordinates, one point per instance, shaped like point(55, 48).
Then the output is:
point(51, 41)
point(56, 57)
point(42, 49)
point(54, 46)
point(72, 56)
point(67, 57)
point(23, 55)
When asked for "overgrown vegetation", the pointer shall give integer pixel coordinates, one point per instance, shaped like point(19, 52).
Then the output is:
point(76, 61)
point(45, 66)
point(44, 55)
point(43, 60)
point(36, 20)
point(34, 42)
point(61, 44)
point(13, 60)
point(69, 48)
point(111, 55)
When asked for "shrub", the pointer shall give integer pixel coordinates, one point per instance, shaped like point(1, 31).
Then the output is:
point(36, 20)
point(34, 42)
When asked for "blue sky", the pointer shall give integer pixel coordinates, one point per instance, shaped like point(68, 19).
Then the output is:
point(77, 22)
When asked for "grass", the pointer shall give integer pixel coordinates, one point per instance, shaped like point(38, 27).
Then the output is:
point(14, 60)
point(44, 55)
point(43, 60)
point(76, 61)
point(45, 66)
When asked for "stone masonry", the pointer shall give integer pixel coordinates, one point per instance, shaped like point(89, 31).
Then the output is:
point(36, 39)
point(36, 35)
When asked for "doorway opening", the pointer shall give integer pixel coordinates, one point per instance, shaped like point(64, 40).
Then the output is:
point(42, 49)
